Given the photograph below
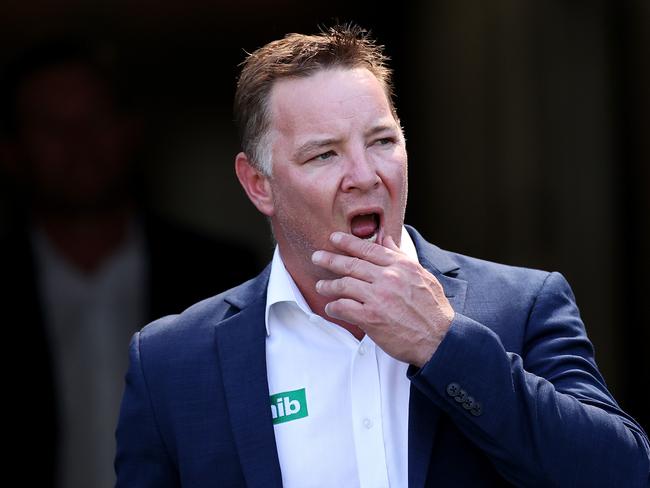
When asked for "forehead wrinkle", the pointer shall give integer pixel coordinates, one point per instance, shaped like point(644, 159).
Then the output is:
point(381, 126)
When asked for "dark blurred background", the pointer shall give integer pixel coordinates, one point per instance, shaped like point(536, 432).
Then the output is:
point(528, 129)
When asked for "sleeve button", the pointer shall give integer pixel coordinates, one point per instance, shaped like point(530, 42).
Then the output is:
point(453, 389)
point(477, 410)
point(469, 403)
point(461, 397)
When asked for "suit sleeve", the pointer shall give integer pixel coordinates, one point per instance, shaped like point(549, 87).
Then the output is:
point(545, 417)
point(142, 459)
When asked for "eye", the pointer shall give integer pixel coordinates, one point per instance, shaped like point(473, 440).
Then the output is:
point(384, 141)
point(324, 157)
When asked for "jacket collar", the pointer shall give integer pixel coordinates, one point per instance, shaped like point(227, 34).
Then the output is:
point(431, 256)
point(251, 291)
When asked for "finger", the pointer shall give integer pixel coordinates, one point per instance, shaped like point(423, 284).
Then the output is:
point(362, 249)
point(347, 310)
point(346, 287)
point(389, 243)
point(345, 265)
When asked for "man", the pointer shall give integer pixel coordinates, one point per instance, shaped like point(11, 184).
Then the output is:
point(363, 355)
point(84, 266)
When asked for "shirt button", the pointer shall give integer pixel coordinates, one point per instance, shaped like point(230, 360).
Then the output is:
point(362, 349)
point(367, 423)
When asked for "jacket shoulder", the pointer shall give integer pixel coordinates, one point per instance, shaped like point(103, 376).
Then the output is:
point(522, 278)
point(200, 319)
point(471, 268)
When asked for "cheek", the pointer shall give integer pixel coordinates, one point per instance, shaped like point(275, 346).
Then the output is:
point(401, 170)
point(394, 175)
point(305, 202)
point(312, 193)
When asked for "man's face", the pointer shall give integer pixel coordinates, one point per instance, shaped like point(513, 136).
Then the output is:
point(339, 163)
point(72, 143)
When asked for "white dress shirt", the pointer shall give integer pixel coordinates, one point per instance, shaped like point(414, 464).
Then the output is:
point(340, 405)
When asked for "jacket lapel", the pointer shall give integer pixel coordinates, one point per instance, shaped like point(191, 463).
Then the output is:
point(241, 344)
point(423, 414)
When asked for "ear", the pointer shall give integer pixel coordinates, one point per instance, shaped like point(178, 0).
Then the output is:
point(255, 184)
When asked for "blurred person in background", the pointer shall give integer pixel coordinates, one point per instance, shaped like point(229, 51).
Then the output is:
point(85, 264)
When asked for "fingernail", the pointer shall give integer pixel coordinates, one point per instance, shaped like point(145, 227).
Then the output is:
point(327, 309)
point(317, 256)
point(319, 284)
point(336, 237)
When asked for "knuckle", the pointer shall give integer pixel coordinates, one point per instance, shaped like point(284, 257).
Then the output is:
point(348, 265)
point(392, 276)
point(366, 249)
point(373, 318)
point(341, 284)
point(337, 285)
point(410, 265)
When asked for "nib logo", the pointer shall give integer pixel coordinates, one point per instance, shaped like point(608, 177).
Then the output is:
point(288, 405)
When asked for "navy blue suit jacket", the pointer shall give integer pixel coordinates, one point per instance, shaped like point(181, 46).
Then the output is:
point(196, 410)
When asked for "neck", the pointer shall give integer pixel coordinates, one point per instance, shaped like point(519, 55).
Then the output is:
point(86, 240)
point(317, 303)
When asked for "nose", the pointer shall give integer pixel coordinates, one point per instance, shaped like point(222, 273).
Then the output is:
point(360, 174)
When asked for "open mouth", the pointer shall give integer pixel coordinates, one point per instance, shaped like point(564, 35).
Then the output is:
point(366, 226)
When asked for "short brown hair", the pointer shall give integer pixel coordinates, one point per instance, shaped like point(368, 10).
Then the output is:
point(299, 55)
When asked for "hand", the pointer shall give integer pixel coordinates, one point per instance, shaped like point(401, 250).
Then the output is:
point(391, 297)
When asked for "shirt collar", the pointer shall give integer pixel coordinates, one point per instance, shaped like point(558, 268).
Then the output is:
point(282, 288)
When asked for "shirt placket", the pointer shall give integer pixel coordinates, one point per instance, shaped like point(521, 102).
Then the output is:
point(366, 417)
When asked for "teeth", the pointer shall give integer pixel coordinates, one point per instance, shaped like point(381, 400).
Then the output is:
point(372, 238)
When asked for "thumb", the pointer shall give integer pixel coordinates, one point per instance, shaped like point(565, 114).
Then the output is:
point(390, 243)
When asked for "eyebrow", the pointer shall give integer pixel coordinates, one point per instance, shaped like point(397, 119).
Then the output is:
point(380, 128)
point(315, 145)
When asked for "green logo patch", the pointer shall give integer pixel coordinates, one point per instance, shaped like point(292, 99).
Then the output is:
point(288, 406)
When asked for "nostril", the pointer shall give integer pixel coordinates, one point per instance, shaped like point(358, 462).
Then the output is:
point(362, 178)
